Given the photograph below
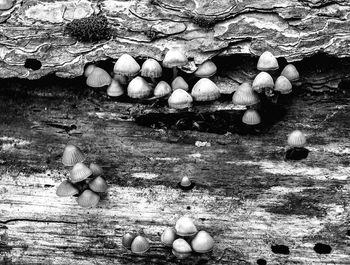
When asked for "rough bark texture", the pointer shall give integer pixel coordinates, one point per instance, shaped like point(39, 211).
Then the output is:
point(247, 196)
point(293, 29)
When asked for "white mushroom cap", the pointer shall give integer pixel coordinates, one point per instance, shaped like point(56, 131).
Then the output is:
point(174, 58)
point(151, 68)
point(205, 90)
point(126, 65)
point(267, 62)
point(206, 69)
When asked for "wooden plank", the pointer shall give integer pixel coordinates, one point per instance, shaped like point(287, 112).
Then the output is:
point(246, 196)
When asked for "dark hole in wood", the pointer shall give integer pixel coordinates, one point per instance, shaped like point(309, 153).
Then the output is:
point(297, 153)
point(322, 248)
point(261, 262)
point(33, 64)
point(280, 249)
point(188, 207)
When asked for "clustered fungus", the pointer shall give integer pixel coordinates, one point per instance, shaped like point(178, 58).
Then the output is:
point(84, 182)
point(296, 142)
point(93, 28)
point(185, 239)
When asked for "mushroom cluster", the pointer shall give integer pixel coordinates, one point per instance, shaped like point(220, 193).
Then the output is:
point(85, 183)
point(144, 82)
point(185, 238)
point(138, 244)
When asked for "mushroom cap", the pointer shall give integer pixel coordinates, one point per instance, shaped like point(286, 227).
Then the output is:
point(251, 117)
point(202, 242)
point(180, 99)
point(151, 68)
point(127, 240)
point(66, 188)
point(6, 4)
point(168, 236)
point(206, 69)
point(185, 227)
point(245, 96)
point(179, 83)
point(139, 245)
point(88, 70)
point(98, 78)
point(115, 89)
point(267, 62)
point(174, 58)
point(139, 88)
point(296, 139)
point(290, 72)
point(261, 81)
point(162, 89)
point(283, 85)
point(79, 172)
point(126, 65)
point(96, 169)
point(88, 199)
point(98, 184)
point(185, 182)
point(72, 155)
point(180, 245)
point(205, 90)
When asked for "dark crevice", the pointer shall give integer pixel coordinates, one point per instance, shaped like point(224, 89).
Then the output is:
point(33, 64)
point(35, 221)
point(261, 262)
point(280, 249)
point(321, 248)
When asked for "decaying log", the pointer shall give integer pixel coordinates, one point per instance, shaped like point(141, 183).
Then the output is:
point(291, 29)
point(256, 205)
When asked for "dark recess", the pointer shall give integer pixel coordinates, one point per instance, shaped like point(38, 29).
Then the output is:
point(261, 262)
point(33, 64)
point(280, 249)
point(322, 248)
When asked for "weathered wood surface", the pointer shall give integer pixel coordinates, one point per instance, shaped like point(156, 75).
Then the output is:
point(246, 196)
point(293, 29)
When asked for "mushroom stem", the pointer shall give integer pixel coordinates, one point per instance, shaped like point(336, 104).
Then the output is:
point(174, 72)
point(153, 81)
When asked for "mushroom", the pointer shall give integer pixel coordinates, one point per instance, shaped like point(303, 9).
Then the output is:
point(283, 85)
point(140, 245)
point(296, 139)
point(115, 89)
point(202, 242)
point(179, 83)
point(261, 81)
point(88, 70)
point(206, 69)
point(98, 78)
point(245, 96)
point(6, 4)
point(96, 169)
point(267, 62)
point(126, 66)
point(66, 188)
point(98, 184)
point(174, 58)
point(251, 117)
point(72, 155)
point(162, 89)
point(186, 183)
point(79, 172)
point(152, 69)
point(139, 88)
point(180, 99)
point(290, 72)
point(127, 240)
point(181, 249)
point(168, 237)
point(185, 227)
point(88, 199)
point(205, 90)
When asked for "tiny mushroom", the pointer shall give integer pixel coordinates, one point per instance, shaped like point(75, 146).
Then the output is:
point(140, 245)
point(152, 69)
point(162, 89)
point(88, 70)
point(283, 85)
point(245, 96)
point(88, 199)
point(98, 78)
point(126, 66)
point(96, 169)
point(202, 242)
point(79, 172)
point(267, 62)
point(72, 155)
point(251, 117)
point(127, 240)
point(181, 249)
point(66, 188)
point(179, 83)
point(205, 90)
point(168, 236)
point(206, 69)
point(98, 184)
point(290, 72)
point(6, 4)
point(262, 81)
point(138, 88)
point(185, 227)
point(115, 89)
point(296, 139)
point(174, 58)
point(186, 183)
point(180, 99)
